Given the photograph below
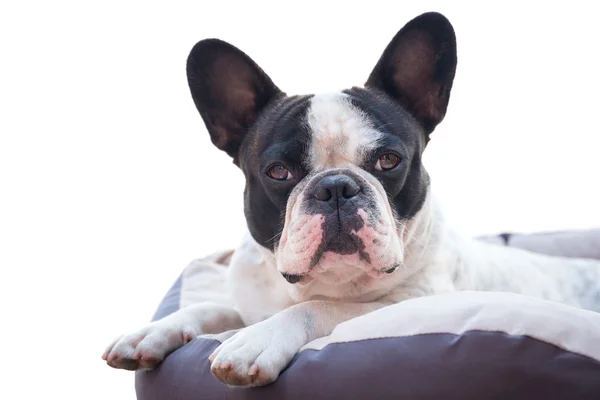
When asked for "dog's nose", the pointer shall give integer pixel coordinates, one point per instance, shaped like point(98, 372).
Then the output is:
point(335, 188)
point(291, 278)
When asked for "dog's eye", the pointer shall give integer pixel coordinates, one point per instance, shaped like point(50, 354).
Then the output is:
point(387, 162)
point(279, 173)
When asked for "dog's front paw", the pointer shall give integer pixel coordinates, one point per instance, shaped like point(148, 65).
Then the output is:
point(254, 356)
point(147, 347)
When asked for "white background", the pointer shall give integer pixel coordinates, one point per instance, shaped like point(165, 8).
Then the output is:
point(109, 183)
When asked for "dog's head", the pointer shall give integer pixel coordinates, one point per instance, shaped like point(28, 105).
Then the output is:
point(331, 180)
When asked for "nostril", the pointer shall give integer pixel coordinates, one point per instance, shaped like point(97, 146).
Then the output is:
point(350, 190)
point(291, 278)
point(323, 194)
point(336, 187)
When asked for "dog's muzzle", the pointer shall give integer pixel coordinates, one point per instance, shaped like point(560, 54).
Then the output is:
point(337, 196)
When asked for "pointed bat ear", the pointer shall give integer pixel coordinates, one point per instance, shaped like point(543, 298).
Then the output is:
point(417, 68)
point(229, 91)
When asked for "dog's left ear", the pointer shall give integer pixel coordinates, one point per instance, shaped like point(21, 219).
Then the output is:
point(417, 68)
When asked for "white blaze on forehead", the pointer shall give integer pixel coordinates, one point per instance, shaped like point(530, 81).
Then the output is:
point(341, 133)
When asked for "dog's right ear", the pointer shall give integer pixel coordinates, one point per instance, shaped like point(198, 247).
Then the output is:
point(229, 91)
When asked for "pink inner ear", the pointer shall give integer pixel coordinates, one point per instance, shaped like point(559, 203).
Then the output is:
point(415, 58)
point(414, 62)
point(236, 83)
point(235, 102)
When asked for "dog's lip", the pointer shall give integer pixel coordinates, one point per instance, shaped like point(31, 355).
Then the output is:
point(391, 269)
point(295, 279)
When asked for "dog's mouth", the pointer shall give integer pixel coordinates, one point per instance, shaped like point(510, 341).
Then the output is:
point(341, 243)
point(298, 279)
point(326, 250)
point(335, 268)
point(293, 278)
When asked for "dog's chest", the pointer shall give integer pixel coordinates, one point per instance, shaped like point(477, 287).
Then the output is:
point(257, 290)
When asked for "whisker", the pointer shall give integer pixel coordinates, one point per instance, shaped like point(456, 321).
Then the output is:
point(275, 238)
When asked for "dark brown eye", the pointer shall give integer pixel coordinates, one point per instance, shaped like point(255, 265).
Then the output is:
point(387, 162)
point(279, 173)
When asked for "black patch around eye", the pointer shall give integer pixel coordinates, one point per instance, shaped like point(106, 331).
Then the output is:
point(279, 135)
point(406, 185)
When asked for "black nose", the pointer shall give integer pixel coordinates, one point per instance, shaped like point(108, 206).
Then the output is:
point(291, 278)
point(336, 188)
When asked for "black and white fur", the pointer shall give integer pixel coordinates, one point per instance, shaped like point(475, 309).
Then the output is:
point(340, 236)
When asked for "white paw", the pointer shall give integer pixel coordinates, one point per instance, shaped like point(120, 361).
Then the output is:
point(254, 356)
point(147, 347)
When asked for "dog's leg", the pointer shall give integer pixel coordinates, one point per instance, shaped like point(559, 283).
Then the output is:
point(147, 347)
point(257, 354)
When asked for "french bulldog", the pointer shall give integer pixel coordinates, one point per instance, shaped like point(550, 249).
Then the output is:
point(341, 219)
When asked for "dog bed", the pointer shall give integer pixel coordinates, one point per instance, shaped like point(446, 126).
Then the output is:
point(464, 345)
